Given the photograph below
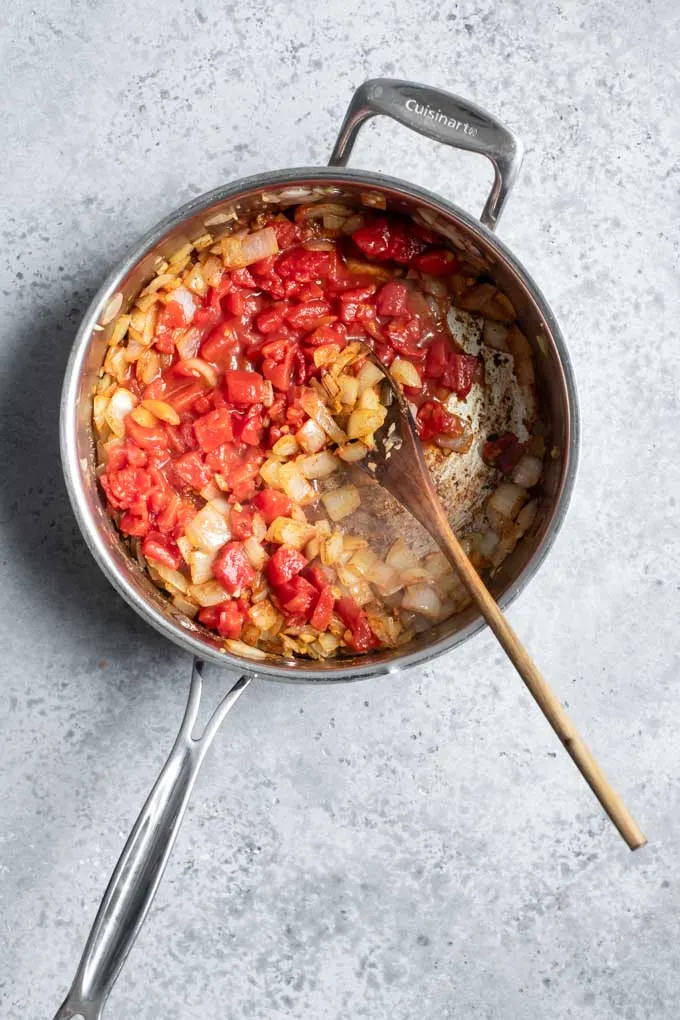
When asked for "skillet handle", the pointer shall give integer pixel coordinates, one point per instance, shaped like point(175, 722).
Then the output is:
point(444, 118)
point(140, 867)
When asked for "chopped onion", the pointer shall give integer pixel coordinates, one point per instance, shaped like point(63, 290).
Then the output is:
point(189, 343)
point(364, 422)
point(436, 564)
point(519, 347)
point(494, 335)
point(319, 210)
point(487, 543)
point(507, 500)
point(369, 375)
point(312, 405)
point(243, 251)
point(210, 491)
point(364, 560)
point(270, 473)
point(241, 648)
point(213, 270)
point(286, 446)
point(172, 577)
point(184, 606)
point(423, 599)
point(386, 628)
point(187, 302)
point(318, 465)
point(210, 593)
point(200, 564)
point(160, 409)
point(458, 444)
point(120, 405)
point(311, 437)
point(195, 280)
point(400, 556)
point(208, 530)
point(294, 484)
point(264, 615)
point(352, 452)
point(386, 579)
point(405, 372)
point(341, 502)
point(143, 417)
point(527, 515)
point(331, 549)
point(204, 369)
point(185, 547)
point(349, 389)
point(528, 471)
point(285, 531)
point(255, 552)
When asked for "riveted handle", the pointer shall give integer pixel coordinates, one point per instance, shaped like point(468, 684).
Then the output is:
point(140, 867)
point(443, 117)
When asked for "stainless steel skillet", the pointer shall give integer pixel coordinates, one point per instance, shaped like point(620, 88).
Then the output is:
point(444, 118)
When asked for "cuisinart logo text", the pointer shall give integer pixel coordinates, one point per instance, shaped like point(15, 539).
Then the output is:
point(440, 117)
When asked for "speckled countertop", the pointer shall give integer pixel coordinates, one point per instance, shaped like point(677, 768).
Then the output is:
point(412, 848)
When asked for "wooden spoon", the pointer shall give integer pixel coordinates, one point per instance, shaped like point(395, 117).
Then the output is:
point(398, 465)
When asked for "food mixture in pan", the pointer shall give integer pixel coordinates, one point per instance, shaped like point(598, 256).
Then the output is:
point(235, 402)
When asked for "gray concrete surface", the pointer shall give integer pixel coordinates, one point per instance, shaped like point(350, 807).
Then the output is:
point(412, 847)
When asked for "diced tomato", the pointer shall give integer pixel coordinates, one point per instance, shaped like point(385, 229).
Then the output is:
point(223, 459)
point(374, 239)
point(316, 574)
point(285, 563)
point(434, 420)
point(392, 298)
point(233, 569)
point(323, 610)
point(335, 333)
point(213, 429)
point(206, 319)
point(226, 618)
point(134, 524)
point(286, 232)
point(280, 375)
point(242, 476)
point(350, 301)
point(126, 486)
point(310, 291)
point(436, 262)
point(272, 503)
point(244, 387)
point(230, 620)
point(437, 358)
point(306, 316)
point(503, 451)
point(404, 335)
point(242, 278)
point(161, 549)
point(303, 265)
point(297, 597)
point(219, 345)
point(191, 470)
point(271, 319)
point(460, 373)
point(249, 428)
point(182, 395)
point(235, 302)
point(241, 522)
point(361, 637)
point(384, 239)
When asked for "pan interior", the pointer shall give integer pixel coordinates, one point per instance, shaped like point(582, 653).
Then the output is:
point(463, 482)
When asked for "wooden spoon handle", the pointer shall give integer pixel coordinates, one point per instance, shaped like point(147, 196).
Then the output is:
point(541, 691)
